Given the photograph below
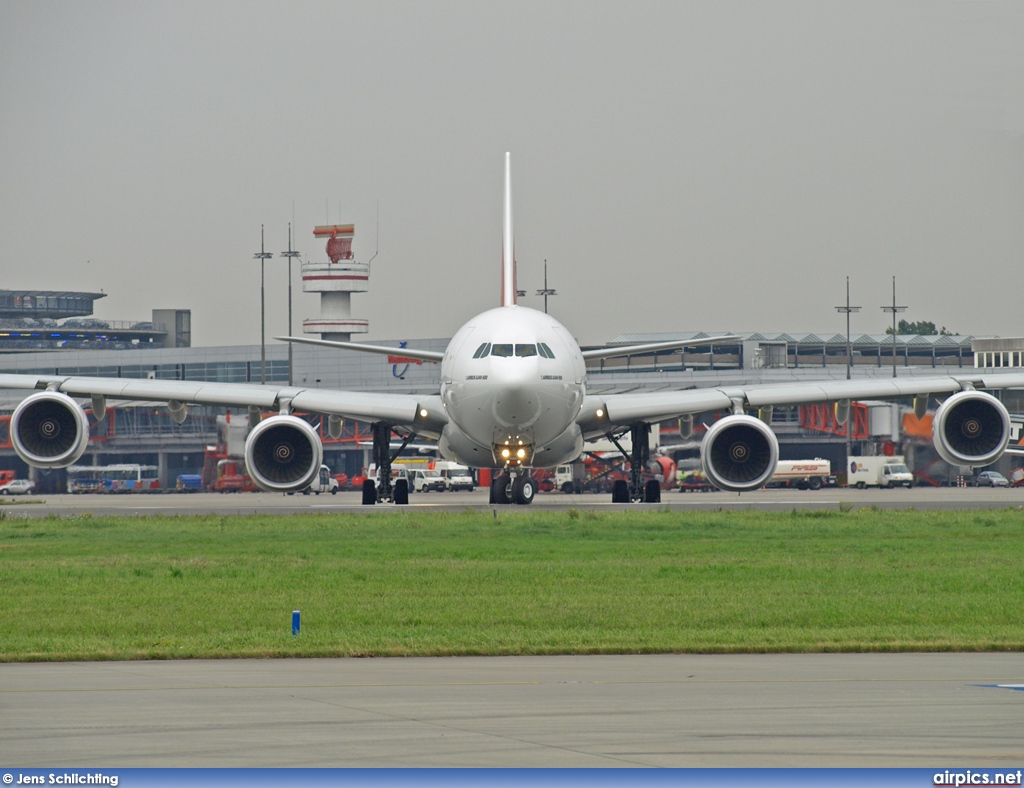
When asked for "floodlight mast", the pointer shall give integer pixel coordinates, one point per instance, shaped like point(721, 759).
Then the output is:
point(894, 309)
point(848, 309)
point(291, 253)
point(263, 255)
point(849, 363)
point(547, 290)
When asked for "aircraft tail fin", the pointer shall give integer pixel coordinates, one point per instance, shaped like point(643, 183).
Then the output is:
point(508, 247)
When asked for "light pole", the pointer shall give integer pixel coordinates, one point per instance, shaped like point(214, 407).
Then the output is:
point(848, 309)
point(290, 254)
point(547, 290)
point(262, 255)
point(849, 363)
point(894, 309)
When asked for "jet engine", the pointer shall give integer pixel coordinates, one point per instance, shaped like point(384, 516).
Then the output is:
point(739, 453)
point(971, 428)
point(49, 430)
point(283, 454)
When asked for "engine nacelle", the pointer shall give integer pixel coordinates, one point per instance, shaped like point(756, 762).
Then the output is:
point(971, 428)
point(49, 430)
point(283, 454)
point(739, 453)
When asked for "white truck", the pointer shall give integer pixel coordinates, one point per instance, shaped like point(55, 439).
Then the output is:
point(879, 472)
point(455, 476)
point(324, 482)
point(565, 478)
point(803, 474)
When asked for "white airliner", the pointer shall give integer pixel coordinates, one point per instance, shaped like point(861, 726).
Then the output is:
point(513, 396)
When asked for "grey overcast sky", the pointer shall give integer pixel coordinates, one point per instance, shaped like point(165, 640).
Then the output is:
point(681, 165)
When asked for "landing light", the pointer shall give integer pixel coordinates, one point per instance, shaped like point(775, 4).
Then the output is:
point(423, 413)
point(600, 413)
point(505, 453)
point(521, 453)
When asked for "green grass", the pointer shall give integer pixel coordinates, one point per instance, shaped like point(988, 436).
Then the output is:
point(528, 582)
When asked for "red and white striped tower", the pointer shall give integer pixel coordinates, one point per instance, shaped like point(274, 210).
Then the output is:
point(336, 280)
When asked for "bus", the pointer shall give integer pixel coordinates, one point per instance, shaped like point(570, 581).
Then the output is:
point(126, 477)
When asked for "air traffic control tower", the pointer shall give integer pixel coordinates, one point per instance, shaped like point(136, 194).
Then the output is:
point(336, 281)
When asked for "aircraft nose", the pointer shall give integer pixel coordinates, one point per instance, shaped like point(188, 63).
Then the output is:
point(515, 398)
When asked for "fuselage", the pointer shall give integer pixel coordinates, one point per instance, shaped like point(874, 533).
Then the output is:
point(512, 380)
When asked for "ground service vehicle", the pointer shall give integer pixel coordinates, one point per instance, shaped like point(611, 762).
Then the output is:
point(426, 480)
point(879, 472)
point(803, 474)
point(991, 479)
point(565, 478)
point(189, 482)
point(124, 477)
point(512, 395)
point(324, 482)
point(456, 477)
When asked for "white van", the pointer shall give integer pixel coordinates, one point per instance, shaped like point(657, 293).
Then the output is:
point(455, 476)
point(426, 480)
point(324, 482)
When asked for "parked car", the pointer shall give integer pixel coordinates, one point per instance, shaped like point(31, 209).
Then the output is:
point(17, 487)
point(991, 479)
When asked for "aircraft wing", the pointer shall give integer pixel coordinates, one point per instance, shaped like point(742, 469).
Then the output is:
point(613, 351)
point(404, 352)
point(399, 409)
point(602, 413)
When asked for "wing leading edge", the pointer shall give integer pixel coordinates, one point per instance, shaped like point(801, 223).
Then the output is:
point(603, 413)
point(423, 414)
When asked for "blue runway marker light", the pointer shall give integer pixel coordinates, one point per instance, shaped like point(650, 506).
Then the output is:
point(295, 622)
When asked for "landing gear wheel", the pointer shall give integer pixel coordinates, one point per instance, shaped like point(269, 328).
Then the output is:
point(523, 490)
point(500, 489)
point(402, 492)
point(369, 492)
point(652, 491)
point(620, 491)
point(815, 483)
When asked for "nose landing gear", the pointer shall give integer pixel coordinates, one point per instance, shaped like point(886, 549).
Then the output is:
point(513, 486)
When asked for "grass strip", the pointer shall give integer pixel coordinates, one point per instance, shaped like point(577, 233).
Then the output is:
point(524, 582)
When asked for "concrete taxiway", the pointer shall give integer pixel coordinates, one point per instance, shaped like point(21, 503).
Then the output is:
point(832, 710)
point(276, 503)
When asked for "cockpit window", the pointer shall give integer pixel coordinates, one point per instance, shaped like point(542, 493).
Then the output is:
point(545, 350)
point(501, 350)
point(526, 350)
point(483, 350)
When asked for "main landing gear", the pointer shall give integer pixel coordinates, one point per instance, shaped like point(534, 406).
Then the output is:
point(513, 486)
point(383, 488)
point(636, 490)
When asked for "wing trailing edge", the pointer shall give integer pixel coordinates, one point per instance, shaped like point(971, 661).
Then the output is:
point(654, 347)
point(382, 350)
